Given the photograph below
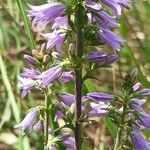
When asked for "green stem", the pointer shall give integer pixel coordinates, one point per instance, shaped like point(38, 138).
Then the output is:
point(78, 75)
point(46, 120)
point(120, 129)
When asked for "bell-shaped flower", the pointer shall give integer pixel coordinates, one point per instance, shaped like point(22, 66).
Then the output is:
point(104, 20)
point(115, 5)
point(98, 109)
point(26, 85)
point(144, 120)
point(55, 39)
point(99, 96)
point(49, 76)
point(67, 99)
point(28, 121)
point(61, 22)
point(137, 87)
point(145, 92)
point(29, 59)
point(93, 6)
point(66, 76)
point(139, 142)
point(110, 38)
point(44, 14)
point(29, 73)
point(108, 60)
point(96, 56)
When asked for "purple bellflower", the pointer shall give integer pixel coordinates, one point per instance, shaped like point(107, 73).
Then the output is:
point(28, 121)
point(139, 142)
point(116, 5)
point(110, 38)
point(104, 20)
point(98, 109)
point(45, 13)
point(98, 96)
point(50, 75)
point(29, 59)
point(26, 85)
point(55, 39)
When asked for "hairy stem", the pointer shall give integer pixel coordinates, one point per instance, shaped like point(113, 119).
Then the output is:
point(78, 75)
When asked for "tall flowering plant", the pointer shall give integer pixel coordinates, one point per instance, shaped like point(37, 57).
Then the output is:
point(73, 51)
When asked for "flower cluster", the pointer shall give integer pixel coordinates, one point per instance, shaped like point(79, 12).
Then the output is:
point(131, 117)
point(51, 65)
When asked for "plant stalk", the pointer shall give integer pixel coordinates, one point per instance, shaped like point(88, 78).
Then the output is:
point(78, 75)
point(46, 120)
point(120, 129)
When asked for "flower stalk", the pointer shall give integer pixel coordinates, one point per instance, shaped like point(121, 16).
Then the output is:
point(120, 129)
point(78, 75)
point(47, 104)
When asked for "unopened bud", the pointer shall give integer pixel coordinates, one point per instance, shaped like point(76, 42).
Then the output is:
point(46, 58)
point(134, 74)
point(29, 59)
point(72, 48)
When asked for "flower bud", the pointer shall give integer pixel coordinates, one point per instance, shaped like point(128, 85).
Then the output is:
point(29, 59)
point(46, 58)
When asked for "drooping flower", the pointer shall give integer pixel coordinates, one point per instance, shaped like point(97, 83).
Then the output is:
point(110, 38)
point(99, 96)
point(29, 59)
point(98, 109)
point(93, 6)
point(26, 85)
point(96, 56)
point(28, 121)
point(60, 23)
point(66, 76)
point(29, 73)
point(115, 5)
point(55, 39)
point(145, 92)
point(67, 99)
point(104, 20)
point(102, 59)
point(50, 75)
point(144, 120)
point(139, 142)
point(45, 13)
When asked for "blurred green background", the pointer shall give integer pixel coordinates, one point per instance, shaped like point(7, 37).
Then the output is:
point(15, 40)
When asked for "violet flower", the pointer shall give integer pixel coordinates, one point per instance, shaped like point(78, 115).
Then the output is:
point(104, 20)
point(108, 60)
point(139, 142)
point(110, 38)
point(45, 13)
point(96, 56)
point(29, 59)
point(144, 120)
point(50, 75)
point(26, 85)
point(98, 96)
point(28, 121)
point(93, 6)
point(66, 76)
point(67, 99)
point(61, 22)
point(98, 109)
point(30, 73)
point(55, 39)
point(115, 5)
point(137, 87)
point(145, 92)
point(69, 143)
